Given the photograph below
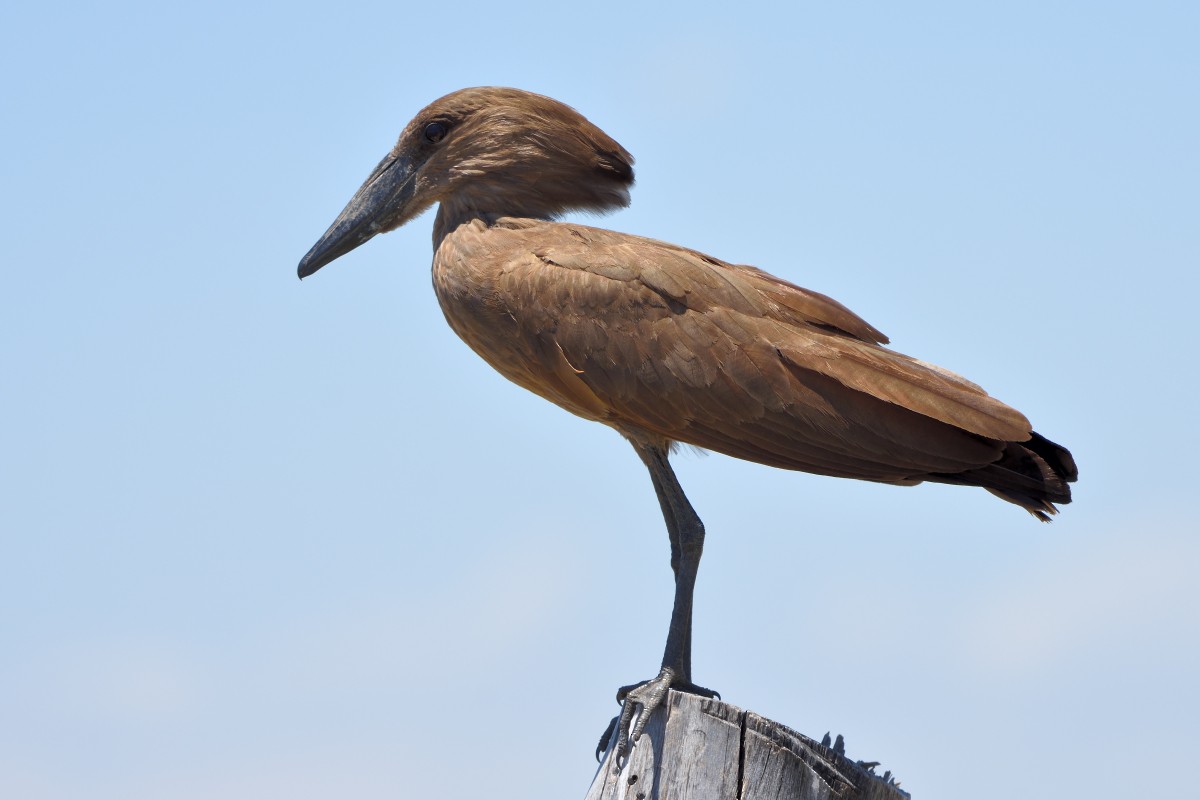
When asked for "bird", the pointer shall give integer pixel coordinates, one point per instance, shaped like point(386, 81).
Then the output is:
point(666, 345)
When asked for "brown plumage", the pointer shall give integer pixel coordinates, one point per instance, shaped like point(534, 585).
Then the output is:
point(666, 344)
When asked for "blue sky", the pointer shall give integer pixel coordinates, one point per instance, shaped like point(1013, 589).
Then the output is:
point(261, 538)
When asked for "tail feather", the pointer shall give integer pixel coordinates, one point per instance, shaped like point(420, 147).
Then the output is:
point(1058, 457)
point(1033, 474)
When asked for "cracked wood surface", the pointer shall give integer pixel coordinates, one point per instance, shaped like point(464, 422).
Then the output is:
point(695, 748)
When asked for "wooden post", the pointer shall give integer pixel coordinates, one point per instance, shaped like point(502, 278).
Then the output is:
point(694, 748)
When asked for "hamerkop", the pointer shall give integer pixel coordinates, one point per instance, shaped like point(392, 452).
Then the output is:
point(665, 344)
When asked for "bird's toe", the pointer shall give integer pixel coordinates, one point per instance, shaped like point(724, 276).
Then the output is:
point(606, 738)
point(638, 703)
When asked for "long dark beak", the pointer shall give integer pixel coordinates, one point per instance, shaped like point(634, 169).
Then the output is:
point(381, 199)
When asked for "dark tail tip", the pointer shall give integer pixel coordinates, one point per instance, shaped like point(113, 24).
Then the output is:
point(1033, 474)
point(1056, 456)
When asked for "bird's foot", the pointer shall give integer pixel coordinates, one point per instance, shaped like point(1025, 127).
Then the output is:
point(680, 686)
point(641, 700)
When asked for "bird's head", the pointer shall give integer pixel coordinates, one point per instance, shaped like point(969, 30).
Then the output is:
point(483, 151)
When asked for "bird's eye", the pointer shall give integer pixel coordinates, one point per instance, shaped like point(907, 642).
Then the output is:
point(435, 132)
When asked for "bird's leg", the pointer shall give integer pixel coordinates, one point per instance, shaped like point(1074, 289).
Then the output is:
point(672, 521)
point(669, 501)
point(687, 543)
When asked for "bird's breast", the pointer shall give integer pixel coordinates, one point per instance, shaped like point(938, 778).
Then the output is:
point(473, 277)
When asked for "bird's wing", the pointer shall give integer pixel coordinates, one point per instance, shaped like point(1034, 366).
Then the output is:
point(685, 274)
point(732, 359)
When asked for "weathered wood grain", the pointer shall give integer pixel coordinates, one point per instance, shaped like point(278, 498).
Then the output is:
point(694, 748)
point(701, 750)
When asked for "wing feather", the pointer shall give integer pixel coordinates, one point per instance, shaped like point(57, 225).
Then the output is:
point(730, 358)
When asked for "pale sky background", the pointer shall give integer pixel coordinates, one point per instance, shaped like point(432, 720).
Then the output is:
point(267, 539)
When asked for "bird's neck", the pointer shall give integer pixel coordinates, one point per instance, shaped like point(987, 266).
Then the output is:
point(452, 213)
